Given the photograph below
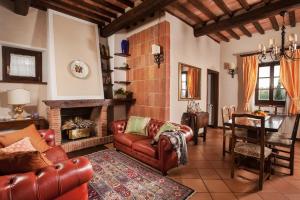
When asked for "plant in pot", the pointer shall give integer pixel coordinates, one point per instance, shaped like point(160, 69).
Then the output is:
point(122, 94)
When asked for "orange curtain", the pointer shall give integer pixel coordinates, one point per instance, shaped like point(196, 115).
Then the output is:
point(193, 80)
point(289, 78)
point(250, 69)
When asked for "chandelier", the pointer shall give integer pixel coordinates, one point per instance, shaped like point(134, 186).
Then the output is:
point(277, 53)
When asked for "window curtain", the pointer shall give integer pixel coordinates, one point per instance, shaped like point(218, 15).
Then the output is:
point(290, 79)
point(250, 71)
point(193, 80)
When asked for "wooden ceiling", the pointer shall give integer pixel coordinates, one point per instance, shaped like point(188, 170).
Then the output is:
point(221, 20)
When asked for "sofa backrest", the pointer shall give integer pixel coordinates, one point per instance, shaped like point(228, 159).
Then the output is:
point(153, 127)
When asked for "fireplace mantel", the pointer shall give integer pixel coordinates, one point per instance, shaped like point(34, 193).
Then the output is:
point(87, 103)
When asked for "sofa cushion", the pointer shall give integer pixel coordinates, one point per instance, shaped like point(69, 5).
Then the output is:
point(128, 138)
point(21, 145)
point(168, 126)
point(35, 138)
point(145, 147)
point(137, 125)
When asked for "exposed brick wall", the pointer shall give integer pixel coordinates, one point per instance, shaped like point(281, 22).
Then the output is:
point(150, 84)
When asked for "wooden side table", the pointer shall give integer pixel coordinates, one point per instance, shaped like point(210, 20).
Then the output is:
point(196, 121)
point(40, 123)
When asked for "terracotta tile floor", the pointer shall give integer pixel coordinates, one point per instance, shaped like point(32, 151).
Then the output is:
point(208, 173)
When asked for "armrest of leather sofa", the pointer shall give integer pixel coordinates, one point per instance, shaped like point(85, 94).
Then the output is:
point(47, 183)
point(119, 126)
point(56, 154)
point(188, 132)
point(48, 135)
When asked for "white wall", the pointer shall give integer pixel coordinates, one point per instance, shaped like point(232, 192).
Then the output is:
point(27, 32)
point(200, 52)
point(65, 45)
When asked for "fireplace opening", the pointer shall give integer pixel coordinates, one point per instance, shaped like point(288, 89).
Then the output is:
point(79, 123)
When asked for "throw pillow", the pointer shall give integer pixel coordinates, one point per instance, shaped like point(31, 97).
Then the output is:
point(21, 145)
point(35, 138)
point(137, 125)
point(22, 161)
point(168, 126)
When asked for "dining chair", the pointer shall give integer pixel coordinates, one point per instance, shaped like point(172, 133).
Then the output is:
point(251, 147)
point(225, 111)
point(283, 146)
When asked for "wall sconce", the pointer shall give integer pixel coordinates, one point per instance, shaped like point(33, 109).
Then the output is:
point(232, 68)
point(157, 53)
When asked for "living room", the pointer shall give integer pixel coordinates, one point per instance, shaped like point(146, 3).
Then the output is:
point(149, 99)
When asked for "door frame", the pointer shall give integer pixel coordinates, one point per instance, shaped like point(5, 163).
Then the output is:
point(215, 76)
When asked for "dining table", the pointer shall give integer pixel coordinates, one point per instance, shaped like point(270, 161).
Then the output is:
point(273, 123)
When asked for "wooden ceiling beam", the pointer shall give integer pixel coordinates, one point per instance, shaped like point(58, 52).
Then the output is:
point(292, 18)
point(233, 34)
point(213, 39)
point(274, 23)
point(188, 13)
point(127, 3)
point(200, 6)
point(49, 4)
point(258, 27)
point(109, 5)
point(244, 4)
point(222, 37)
point(135, 14)
point(80, 3)
point(22, 7)
point(73, 6)
point(248, 17)
point(245, 31)
point(223, 7)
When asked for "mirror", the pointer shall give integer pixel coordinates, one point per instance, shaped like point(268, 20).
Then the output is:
point(189, 82)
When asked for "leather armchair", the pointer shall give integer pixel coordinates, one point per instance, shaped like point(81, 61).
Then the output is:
point(161, 156)
point(65, 179)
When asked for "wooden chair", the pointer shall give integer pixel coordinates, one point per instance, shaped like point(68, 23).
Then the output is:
point(283, 146)
point(251, 147)
point(226, 129)
point(227, 112)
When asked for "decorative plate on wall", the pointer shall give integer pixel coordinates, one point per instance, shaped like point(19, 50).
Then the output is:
point(79, 69)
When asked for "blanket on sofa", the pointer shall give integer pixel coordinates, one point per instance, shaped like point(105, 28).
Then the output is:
point(178, 141)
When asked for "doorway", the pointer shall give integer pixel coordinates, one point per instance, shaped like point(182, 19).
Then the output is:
point(213, 97)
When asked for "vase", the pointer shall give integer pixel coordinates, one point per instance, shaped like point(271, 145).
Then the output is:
point(125, 46)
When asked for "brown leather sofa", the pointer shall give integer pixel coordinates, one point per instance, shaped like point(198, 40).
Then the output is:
point(161, 156)
point(66, 179)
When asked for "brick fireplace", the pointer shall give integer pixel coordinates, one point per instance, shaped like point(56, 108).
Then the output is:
point(56, 117)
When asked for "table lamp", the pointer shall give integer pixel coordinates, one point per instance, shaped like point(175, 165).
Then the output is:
point(18, 98)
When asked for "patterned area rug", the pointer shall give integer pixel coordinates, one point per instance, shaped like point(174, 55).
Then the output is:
point(117, 177)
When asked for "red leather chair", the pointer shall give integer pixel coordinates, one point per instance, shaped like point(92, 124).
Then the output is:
point(66, 179)
point(161, 156)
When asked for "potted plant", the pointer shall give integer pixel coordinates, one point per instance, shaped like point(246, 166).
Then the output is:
point(122, 94)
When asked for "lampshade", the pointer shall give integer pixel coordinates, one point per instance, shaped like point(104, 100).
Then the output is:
point(18, 97)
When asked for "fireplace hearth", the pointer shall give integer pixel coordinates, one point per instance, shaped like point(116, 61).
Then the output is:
point(59, 112)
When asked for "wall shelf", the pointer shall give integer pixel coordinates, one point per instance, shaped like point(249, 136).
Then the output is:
point(122, 54)
point(123, 82)
point(122, 68)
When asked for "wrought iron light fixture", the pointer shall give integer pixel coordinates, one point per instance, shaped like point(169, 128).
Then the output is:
point(158, 54)
point(277, 53)
point(232, 69)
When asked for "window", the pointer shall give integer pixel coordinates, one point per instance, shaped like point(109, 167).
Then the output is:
point(21, 65)
point(269, 90)
point(184, 84)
